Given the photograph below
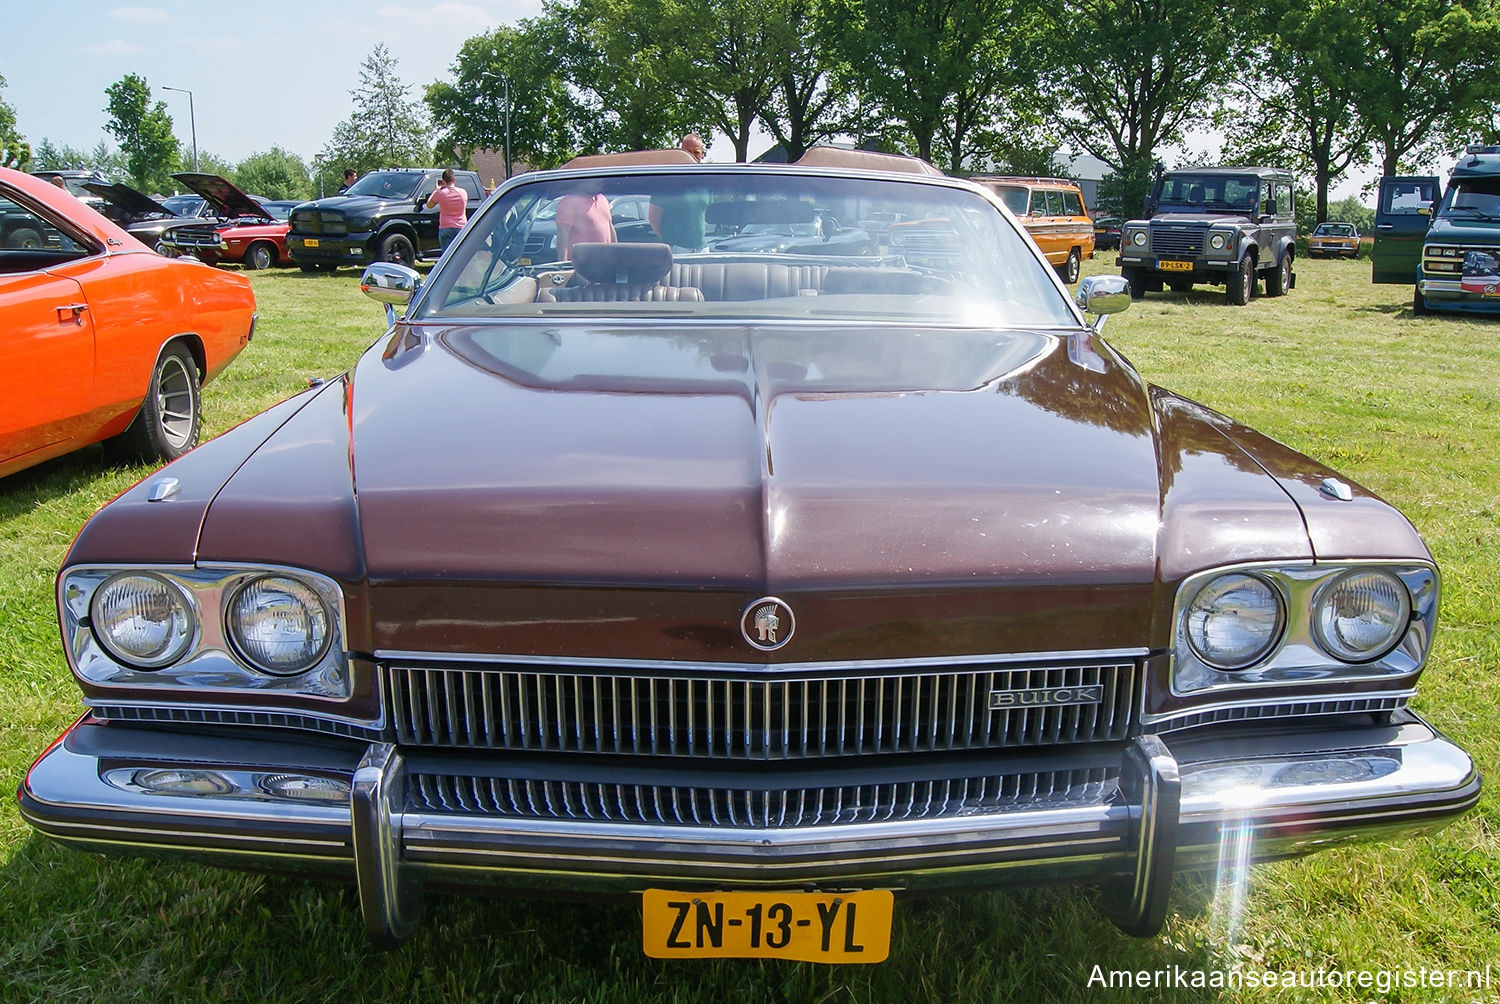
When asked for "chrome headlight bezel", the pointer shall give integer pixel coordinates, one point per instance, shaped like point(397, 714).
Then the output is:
point(1138, 238)
point(211, 665)
point(1299, 658)
point(1265, 633)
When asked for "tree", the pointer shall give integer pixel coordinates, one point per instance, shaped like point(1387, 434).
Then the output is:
point(15, 152)
point(1429, 71)
point(1302, 98)
point(806, 105)
point(729, 57)
point(613, 53)
point(275, 174)
point(1127, 75)
point(144, 132)
point(918, 62)
point(386, 129)
point(546, 128)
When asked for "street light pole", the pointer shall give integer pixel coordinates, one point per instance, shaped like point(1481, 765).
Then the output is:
point(504, 80)
point(192, 120)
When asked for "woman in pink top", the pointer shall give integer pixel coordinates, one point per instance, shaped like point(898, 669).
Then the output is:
point(582, 219)
point(452, 205)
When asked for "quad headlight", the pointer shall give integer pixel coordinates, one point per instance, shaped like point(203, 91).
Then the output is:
point(278, 624)
point(1234, 620)
point(1360, 615)
point(206, 629)
point(1313, 625)
point(142, 620)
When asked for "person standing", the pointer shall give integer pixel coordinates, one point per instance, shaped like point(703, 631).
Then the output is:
point(583, 217)
point(452, 204)
point(350, 176)
point(678, 219)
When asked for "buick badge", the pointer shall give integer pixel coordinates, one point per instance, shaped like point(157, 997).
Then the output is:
point(767, 624)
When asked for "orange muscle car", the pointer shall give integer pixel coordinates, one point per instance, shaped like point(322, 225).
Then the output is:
point(104, 340)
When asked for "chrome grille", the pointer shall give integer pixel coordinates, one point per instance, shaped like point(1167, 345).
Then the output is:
point(758, 808)
point(1184, 243)
point(744, 717)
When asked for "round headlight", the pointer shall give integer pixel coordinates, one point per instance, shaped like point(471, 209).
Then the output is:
point(278, 624)
point(1216, 242)
point(1361, 615)
point(1234, 620)
point(142, 620)
point(1138, 238)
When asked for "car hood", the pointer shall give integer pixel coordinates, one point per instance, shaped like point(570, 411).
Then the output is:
point(223, 195)
point(575, 490)
point(1468, 231)
point(138, 204)
point(359, 205)
point(1196, 219)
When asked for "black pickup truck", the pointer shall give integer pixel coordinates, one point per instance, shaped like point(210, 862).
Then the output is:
point(382, 217)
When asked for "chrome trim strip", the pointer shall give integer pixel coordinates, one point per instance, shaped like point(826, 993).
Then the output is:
point(1274, 706)
point(657, 666)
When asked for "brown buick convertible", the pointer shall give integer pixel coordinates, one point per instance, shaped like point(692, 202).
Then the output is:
point(764, 587)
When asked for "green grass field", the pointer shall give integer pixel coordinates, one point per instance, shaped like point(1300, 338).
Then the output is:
point(1339, 369)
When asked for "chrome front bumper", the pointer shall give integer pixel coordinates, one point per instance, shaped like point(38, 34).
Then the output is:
point(1280, 794)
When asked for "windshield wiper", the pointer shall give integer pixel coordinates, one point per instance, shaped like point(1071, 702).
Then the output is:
point(1478, 213)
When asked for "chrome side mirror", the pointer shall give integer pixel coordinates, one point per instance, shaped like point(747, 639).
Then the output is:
point(1102, 295)
point(391, 284)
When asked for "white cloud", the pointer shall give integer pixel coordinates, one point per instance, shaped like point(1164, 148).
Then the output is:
point(150, 15)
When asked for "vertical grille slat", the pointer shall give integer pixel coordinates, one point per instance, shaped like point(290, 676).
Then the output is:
point(762, 718)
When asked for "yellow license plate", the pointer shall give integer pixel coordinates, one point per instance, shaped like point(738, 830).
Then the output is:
point(807, 926)
point(1175, 266)
point(309, 242)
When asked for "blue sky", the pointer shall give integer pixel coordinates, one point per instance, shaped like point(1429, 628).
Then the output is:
point(263, 74)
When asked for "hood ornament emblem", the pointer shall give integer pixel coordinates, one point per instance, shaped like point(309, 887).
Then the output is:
point(767, 624)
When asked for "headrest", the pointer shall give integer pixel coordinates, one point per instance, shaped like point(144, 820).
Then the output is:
point(611, 263)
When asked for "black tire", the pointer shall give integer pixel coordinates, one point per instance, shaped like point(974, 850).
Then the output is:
point(1279, 279)
point(260, 255)
point(1180, 285)
point(1418, 304)
point(1137, 284)
point(1070, 268)
point(24, 237)
point(1241, 284)
point(167, 425)
point(397, 249)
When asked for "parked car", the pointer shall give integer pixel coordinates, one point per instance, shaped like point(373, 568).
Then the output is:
point(1221, 225)
point(1107, 233)
point(76, 181)
point(1456, 271)
point(787, 228)
point(754, 587)
point(1052, 211)
point(1334, 240)
point(250, 230)
point(104, 341)
point(382, 217)
point(143, 217)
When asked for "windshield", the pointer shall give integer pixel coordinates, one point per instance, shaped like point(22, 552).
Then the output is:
point(745, 243)
point(1472, 199)
point(1208, 192)
point(388, 184)
point(1335, 230)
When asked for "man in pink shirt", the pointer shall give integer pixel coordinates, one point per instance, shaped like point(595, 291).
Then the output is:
point(582, 218)
point(452, 204)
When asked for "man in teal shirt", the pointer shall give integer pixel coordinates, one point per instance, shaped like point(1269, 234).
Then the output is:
point(678, 219)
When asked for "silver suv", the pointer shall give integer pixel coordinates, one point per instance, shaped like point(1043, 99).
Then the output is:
point(1220, 225)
